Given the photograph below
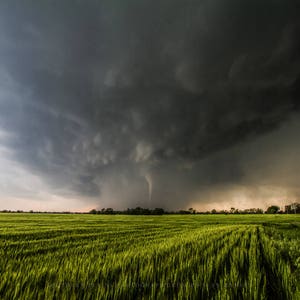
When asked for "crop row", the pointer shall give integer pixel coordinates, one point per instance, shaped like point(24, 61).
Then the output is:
point(146, 260)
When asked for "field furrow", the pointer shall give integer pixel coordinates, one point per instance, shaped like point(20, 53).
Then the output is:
point(167, 257)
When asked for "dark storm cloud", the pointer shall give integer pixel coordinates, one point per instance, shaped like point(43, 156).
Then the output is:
point(98, 94)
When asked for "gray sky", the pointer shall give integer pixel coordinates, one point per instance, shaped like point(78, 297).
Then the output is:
point(153, 103)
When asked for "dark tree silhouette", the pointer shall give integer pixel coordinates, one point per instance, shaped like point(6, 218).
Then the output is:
point(274, 209)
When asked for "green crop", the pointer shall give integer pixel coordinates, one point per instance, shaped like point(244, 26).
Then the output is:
point(44, 256)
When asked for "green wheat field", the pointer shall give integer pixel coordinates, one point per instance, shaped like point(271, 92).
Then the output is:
point(81, 256)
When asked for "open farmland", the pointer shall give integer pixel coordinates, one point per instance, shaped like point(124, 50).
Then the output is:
point(45, 256)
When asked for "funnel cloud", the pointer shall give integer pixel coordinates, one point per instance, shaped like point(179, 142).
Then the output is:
point(150, 187)
point(166, 104)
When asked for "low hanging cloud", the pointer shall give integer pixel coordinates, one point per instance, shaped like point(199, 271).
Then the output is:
point(152, 104)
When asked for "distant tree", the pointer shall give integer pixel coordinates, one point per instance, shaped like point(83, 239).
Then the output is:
point(184, 212)
point(93, 211)
point(293, 208)
point(137, 211)
point(147, 211)
point(274, 209)
point(109, 211)
point(158, 211)
point(192, 211)
point(213, 211)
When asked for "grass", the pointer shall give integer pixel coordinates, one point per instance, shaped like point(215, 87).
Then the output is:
point(149, 257)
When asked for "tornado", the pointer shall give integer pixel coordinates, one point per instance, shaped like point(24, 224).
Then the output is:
point(150, 186)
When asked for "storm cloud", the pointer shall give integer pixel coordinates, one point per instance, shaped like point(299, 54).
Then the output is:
point(170, 103)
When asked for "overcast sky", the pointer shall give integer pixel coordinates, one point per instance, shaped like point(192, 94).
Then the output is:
point(153, 103)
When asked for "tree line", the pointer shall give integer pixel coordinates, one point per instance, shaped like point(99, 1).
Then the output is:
point(273, 209)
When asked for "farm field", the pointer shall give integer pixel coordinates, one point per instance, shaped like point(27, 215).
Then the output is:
point(49, 256)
